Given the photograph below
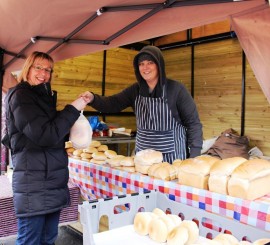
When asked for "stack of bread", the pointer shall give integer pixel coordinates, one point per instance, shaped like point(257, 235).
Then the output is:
point(250, 180)
point(195, 171)
point(122, 163)
point(162, 227)
point(145, 158)
point(221, 172)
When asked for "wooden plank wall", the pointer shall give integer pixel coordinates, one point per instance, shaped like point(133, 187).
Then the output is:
point(217, 83)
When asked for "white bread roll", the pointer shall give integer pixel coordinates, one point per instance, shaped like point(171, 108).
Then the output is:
point(99, 156)
point(262, 241)
point(193, 231)
point(158, 230)
point(115, 161)
point(110, 153)
point(127, 162)
point(77, 152)
point(175, 218)
point(195, 171)
point(148, 157)
point(220, 174)
point(158, 212)
point(90, 149)
point(164, 171)
point(68, 144)
point(95, 143)
point(142, 221)
point(86, 155)
point(102, 148)
point(250, 180)
point(177, 236)
point(226, 239)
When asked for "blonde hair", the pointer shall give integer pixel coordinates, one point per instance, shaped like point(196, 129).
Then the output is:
point(36, 55)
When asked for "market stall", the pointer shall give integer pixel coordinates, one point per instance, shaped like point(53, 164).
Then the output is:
point(100, 181)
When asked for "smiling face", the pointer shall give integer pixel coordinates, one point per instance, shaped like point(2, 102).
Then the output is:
point(149, 71)
point(40, 72)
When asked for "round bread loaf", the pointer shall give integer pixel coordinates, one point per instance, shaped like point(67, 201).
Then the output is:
point(193, 231)
point(110, 153)
point(226, 239)
point(158, 231)
point(99, 156)
point(102, 148)
point(86, 155)
point(158, 212)
point(68, 144)
point(148, 157)
point(95, 143)
point(77, 152)
point(142, 221)
point(90, 149)
point(70, 150)
point(177, 236)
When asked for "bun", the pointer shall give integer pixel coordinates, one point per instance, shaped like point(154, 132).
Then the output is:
point(95, 143)
point(178, 235)
point(250, 180)
point(158, 231)
point(68, 144)
point(90, 149)
point(77, 152)
point(148, 157)
point(220, 173)
point(99, 156)
point(102, 148)
point(142, 221)
point(110, 153)
point(193, 230)
point(226, 239)
point(86, 155)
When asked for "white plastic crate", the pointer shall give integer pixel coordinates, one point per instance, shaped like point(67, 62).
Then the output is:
point(129, 205)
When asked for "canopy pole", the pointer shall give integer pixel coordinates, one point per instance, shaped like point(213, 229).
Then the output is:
point(2, 71)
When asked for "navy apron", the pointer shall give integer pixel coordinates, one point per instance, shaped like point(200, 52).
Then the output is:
point(157, 129)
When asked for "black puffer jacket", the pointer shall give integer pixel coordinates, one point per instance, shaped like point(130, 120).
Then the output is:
point(37, 134)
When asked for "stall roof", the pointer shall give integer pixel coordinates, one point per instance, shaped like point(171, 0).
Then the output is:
point(68, 28)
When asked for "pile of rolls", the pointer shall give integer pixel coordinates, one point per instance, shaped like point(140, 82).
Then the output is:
point(100, 154)
point(162, 227)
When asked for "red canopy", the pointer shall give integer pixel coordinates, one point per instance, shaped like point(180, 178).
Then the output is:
point(68, 28)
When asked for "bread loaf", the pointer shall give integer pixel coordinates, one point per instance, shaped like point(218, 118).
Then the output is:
point(195, 171)
point(250, 180)
point(148, 157)
point(221, 172)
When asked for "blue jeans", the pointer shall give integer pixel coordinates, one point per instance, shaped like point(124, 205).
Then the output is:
point(38, 230)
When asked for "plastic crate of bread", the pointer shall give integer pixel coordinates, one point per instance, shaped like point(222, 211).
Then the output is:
point(124, 224)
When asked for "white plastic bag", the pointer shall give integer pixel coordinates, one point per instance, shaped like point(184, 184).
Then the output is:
point(81, 133)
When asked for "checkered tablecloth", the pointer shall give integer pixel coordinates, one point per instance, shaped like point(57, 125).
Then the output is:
point(96, 181)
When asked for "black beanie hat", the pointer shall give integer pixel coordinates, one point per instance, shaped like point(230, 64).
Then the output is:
point(145, 56)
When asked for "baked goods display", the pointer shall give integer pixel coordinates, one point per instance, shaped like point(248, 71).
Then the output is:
point(195, 171)
point(220, 173)
point(164, 171)
point(250, 180)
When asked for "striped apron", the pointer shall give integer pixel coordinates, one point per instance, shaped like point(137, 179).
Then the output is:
point(157, 129)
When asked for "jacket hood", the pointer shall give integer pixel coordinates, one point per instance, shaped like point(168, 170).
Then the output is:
point(159, 60)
